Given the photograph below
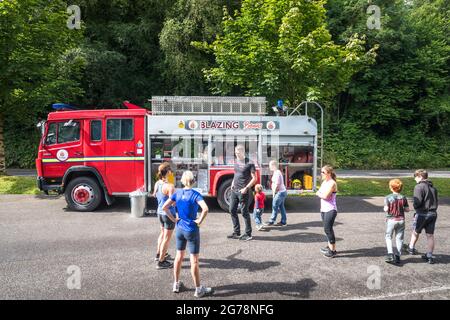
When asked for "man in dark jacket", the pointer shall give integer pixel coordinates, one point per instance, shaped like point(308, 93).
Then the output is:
point(426, 204)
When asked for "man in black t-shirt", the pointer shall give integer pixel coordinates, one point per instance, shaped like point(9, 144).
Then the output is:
point(244, 179)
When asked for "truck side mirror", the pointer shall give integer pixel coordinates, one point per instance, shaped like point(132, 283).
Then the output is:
point(41, 127)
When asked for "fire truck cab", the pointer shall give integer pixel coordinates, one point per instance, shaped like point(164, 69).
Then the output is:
point(93, 156)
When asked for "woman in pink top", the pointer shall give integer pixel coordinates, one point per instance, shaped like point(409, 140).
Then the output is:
point(279, 195)
point(328, 208)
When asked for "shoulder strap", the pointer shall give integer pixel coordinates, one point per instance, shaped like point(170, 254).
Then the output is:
point(158, 186)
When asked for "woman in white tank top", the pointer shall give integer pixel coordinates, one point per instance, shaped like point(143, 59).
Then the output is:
point(328, 208)
point(162, 191)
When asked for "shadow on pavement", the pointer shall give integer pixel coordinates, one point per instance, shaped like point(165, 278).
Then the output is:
point(438, 259)
point(49, 197)
point(294, 205)
point(363, 252)
point(300, 226)
point(231, 262)
point(381, 253)
point(298, 289)
point(312, 205)
point(344, 204)
point(301, 237)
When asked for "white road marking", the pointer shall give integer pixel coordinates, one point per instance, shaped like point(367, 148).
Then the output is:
point(406, 293)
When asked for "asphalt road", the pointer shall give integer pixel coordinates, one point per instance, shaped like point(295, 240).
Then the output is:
point(114, 252)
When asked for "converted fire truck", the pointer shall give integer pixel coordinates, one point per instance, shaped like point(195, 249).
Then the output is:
point(93, 156)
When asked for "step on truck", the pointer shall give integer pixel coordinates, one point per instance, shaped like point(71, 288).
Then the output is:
point(93, 156)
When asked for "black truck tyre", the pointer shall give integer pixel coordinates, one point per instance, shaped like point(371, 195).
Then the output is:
point(83, 194)
point(224, 195)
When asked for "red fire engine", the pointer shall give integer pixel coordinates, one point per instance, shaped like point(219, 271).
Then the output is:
point(95, 155)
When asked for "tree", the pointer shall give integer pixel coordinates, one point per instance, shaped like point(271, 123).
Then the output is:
point(400, 104)
point(190, 21)
point(431, 19)
point(39, 64)
point(2, 147)
point(409, 82)
point(282, 49)
point(122, 51)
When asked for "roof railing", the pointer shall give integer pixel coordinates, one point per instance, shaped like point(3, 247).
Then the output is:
point(166, 105)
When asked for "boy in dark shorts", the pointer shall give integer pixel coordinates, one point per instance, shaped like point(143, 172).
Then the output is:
point(395, 206)
point(425, 204)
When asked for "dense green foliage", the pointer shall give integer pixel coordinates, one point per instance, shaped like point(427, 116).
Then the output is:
point(121, 46)
point(39, 65)
point(351, 146)
point(282, 49)
point(385, 92)
point(187, 22)
point(394, 114)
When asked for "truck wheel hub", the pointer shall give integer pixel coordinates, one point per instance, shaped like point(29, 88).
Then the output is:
point(82, 195)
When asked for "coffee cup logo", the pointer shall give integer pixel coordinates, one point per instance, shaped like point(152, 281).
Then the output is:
point(270, 125)
point(193, 124)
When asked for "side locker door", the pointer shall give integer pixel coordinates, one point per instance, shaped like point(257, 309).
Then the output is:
point(120, 154)
point(94, 146)
point(140, 149)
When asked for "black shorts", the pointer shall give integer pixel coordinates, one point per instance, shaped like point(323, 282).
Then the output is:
point(166, 223)
point(425, 221)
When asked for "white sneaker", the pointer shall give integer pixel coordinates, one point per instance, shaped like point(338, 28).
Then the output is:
point(177, 286)
point(259, 227)
point(202, 292)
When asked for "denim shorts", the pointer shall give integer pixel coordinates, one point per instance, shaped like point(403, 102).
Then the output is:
point(192, 239)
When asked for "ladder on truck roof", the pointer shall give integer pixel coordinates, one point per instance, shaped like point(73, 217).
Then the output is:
point(165, 105)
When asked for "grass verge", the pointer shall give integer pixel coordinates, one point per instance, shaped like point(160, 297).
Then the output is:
point(378, 187)
point(18, 185)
